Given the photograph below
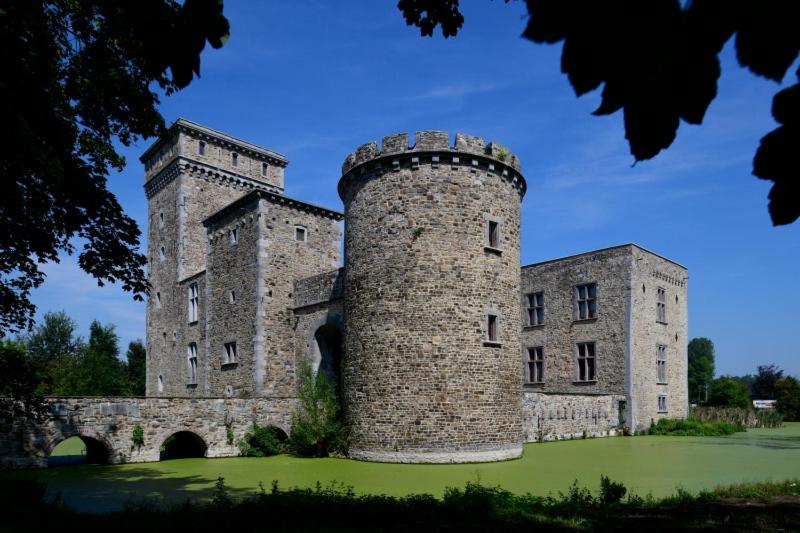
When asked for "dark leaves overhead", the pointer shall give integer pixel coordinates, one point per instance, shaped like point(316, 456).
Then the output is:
point(657, 61)
point(74, 75)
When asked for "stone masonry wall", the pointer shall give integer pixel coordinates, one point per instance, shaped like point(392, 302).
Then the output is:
point(110, 421)
point(651, 272)
point(569, 416)
point(562, 331)
point(421, 382)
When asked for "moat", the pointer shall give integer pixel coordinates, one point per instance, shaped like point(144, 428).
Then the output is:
point(645, 464)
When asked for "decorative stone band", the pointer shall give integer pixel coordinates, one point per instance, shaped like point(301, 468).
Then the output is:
point(206, 172)
point(505, 453)
point(432, 148)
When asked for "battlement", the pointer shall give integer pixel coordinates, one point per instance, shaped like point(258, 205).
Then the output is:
point(430, 141)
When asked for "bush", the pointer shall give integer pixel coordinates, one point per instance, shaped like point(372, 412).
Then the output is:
point(727, 392)
point(694, 428)
point(611, 492)
point(137, 435)
point(317, 428)
point(263, 441)
point(787, 394)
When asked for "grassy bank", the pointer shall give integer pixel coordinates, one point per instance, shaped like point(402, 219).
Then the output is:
point(766, 506)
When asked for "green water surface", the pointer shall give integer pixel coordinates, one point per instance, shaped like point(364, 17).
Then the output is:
point(646, 464)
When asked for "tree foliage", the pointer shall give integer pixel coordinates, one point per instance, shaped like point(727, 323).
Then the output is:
point(20, 395)
point(317, 428)
point(764, 383)
point(701, 368)
point(136, 366)
point(658, 63)
point(727, 392)
point(787, 394)
point(74, 76)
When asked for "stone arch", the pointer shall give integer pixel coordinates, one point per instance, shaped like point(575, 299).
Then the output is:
point(98, 449)
point(181, 445)
point(324, 343)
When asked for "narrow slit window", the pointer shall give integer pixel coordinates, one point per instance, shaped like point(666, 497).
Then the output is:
point(201, 148)
point(229, 353)
point(158, 299)
point(264, 169)
point(161, 219)
point(535, 365)
point(162, 253)
point(232, 296)
point(586, 301)
point(194, 302)
point(586, 362)
point(493, 234)
point(536, 309)
point(234, 159)
point(233, 235)
point(492, 328)
point(191, 354)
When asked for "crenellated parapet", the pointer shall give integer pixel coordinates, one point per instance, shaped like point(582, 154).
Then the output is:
point(433, 148)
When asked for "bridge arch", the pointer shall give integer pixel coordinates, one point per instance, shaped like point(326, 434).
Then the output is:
point(324, 343)
point(98, 449)
point(181, 445)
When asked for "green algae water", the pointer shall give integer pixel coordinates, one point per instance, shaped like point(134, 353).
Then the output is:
point(645, 464)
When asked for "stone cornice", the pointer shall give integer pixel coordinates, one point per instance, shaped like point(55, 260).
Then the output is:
point(200, 170)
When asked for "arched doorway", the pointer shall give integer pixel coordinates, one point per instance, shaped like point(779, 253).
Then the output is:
point(328, 353)
point(77, 450)
point(182, 445)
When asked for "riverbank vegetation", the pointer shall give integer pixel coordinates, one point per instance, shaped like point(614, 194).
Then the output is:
point(758, 506)
point(690, 427)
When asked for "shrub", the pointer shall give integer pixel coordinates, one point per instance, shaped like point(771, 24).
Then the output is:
point(317, 428)
point(611, 492)
point(726, 392)
point(262, 441)
point(137, 436)
point(694, 428)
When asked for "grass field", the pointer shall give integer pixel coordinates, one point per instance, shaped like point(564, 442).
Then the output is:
point(645, 464)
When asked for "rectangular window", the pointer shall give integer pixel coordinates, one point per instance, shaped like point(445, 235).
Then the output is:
point(233, 235)
point(191, 354)
point(232, 296)
point(535, 365)
point(662, 403)
point(493, 234)
point(586, 362)
point(492, 328)
point(229, 354)
point(661, 306)
point(234, 159)
point(300, 233)
point(201, 148)
point(263, 169)
point(194, 301)
point(535, 309)
point(661, 363)
point(586, 301)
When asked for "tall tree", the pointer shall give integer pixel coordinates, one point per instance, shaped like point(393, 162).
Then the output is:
point(764, 385)
point(701, 368)
point(727, 392)
point(74, 76)
point(98, 371)
point(658, 63)
point(20, 395)
point(787, 394)
point(136, 368)
point(53, 348)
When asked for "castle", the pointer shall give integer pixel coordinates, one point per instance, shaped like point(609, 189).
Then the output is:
point(444, 347)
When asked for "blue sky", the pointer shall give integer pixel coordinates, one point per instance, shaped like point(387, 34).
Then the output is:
point(315, 79)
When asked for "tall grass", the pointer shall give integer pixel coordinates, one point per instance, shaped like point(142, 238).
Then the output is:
point(691, 427)
point(761, 418)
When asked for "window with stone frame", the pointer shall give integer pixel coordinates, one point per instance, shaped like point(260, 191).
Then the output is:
point(492, 328)
point(300, 233)
point(233, 235)
point(234, 159)
point(194, 302)
point(662, 403)
point(661, 363)
point(229, 355)
point(493, 234)
point(160, 383)
point(535, 308)
point(535, 365)
point(661, 306)
point(264, 168)
point(191, 356)
point(586, 360)
point(586, 301)
point(201, 148)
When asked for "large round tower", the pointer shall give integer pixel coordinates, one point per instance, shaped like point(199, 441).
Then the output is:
point(433, 362)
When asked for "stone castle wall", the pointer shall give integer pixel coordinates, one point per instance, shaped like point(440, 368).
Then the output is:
point(570, 416)
point(421, 381)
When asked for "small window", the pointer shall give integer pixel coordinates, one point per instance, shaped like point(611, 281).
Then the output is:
point(662, 403)
point(161, 219)
point(201, 148)
point(535, 309)
point(229, 353)
point(162, 253)
point(191, 355)
point(232, 296)
point(300, 233)
point(233, 235)
point(264, 169)
point(234, 159)
point(194, 302)
point(535, 370)
point(586, 301)
point(586, 362)
point(661, 306)
point(165, 339)
point(160, 383)
point(492, 328)
point(158, 300)
point(661, 363)
point(493, 234)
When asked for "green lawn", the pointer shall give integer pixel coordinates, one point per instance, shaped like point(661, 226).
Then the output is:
point(645, 464)
point(70, 447)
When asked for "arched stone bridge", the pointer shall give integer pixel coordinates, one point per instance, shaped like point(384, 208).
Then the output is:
point(106, 425)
